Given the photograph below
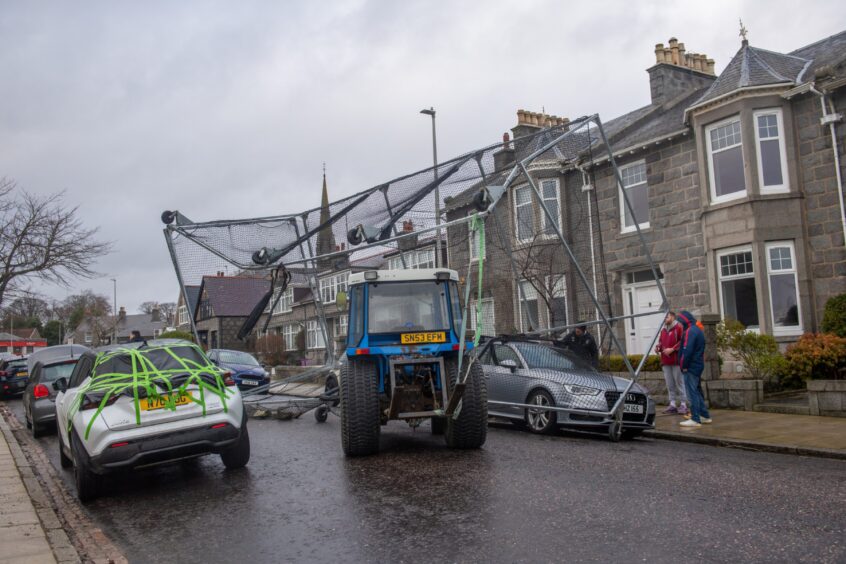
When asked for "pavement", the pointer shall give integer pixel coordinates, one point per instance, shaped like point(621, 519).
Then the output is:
point(22, 536)
point(805, 435)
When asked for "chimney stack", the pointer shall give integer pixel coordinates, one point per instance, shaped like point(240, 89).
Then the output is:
point(676, 54)
point(155, 315)
point(122, 314)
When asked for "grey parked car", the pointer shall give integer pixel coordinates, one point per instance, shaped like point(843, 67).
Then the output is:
point(543, 373)
point(45, 367)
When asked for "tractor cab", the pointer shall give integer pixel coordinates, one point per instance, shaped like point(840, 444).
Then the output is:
point(393, 312)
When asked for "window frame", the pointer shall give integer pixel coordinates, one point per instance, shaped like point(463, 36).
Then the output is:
point(332, 284)
point(785, 185)
point(517, 206)
point(712, 181)
point(634, 227)
point(294, 331)
point(317, 342)
point(720, 278)
point(182, 315)
point(473, 320)
point(553, 281)
point(788, 331)
point(546, 229)
point(520, 301)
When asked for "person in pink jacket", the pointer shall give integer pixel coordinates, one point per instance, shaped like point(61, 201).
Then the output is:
point(669, 343)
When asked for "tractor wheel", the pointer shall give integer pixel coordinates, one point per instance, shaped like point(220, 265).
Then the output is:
point(470, 429)
point(360, 421)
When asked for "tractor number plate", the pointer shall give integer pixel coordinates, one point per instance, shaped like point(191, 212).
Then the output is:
point(422, 338)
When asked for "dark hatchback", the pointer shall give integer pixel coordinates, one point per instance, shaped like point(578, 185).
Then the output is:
point(247, 372)
point(14, 376)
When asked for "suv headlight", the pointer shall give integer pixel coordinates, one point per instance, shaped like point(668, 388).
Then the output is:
point(581, 390)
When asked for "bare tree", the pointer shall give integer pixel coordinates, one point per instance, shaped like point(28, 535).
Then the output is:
point(168, 311)
point(42, 239)
point(148, 307)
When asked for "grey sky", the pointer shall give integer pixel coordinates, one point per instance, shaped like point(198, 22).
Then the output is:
point(228, 109)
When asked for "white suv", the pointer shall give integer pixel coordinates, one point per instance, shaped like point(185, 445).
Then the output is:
point(138, 405)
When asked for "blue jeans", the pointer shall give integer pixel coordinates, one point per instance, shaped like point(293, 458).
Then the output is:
point(696, 403)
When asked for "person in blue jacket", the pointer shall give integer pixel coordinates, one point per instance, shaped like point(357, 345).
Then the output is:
point(692, 363)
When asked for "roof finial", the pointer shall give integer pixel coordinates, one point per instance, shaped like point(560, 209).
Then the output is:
point(324, 168)
point(743, 32)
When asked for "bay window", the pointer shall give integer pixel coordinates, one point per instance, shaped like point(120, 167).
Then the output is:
point(725, 160)
point(524, 215)
point(738, 294)
point(784, 296)
point(772, 159)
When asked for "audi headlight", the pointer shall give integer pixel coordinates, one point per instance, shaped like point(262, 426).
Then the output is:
point(581, 390)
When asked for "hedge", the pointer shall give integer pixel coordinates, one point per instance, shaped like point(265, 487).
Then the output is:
point(614, 363)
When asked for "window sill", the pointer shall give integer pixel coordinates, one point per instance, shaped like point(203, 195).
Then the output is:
point(715, 201)
point(633, 230)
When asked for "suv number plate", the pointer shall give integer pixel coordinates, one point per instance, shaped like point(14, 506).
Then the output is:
point(149, 404)
point(422, 338)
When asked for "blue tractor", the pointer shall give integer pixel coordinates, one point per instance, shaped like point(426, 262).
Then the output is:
point(402, 362)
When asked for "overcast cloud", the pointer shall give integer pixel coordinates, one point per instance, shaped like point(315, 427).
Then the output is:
point(228, 109)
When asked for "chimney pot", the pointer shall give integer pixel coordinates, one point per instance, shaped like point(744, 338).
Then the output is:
point(659, 53)
point(505, 140)
point(710, 66)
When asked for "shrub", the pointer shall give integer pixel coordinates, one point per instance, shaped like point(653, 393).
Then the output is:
point(184, 335)
point(271, 349)
point(818, 356)
point(758, 353)
point(614, 363)
point(834, 316)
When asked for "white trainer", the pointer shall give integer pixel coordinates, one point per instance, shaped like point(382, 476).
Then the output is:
point(705, 420)
point(689, 423)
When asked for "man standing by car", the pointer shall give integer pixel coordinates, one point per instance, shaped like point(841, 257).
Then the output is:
point(669, 343)
point(135, 336)
point(581, 342)
point(692, 363)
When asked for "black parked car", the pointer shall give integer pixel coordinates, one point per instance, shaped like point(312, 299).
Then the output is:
point(13, 376)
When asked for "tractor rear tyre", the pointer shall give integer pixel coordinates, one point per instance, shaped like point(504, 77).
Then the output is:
point(360, 421)
point(470, 429)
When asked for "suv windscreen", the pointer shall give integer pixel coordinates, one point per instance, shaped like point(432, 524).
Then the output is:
point(236, 357)
point(407, 306)
point(545, 356)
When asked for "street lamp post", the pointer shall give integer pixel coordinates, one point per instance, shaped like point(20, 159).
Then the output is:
point(115, 317)
point(431, 112)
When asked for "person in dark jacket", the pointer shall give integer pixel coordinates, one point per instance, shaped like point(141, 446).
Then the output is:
point(135, 336)
point(581, 342)
point(692, 363)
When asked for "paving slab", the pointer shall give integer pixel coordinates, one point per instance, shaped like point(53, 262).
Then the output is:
point(776, 432)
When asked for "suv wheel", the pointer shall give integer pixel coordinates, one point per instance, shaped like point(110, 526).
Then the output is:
point(238, 454)
point(87, 485)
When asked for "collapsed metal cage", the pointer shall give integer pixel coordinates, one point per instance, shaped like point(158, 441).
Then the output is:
point(535, 265)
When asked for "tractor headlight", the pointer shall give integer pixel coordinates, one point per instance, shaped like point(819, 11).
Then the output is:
point(581, 390)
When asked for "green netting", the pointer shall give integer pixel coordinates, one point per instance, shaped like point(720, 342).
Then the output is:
point(145, 380)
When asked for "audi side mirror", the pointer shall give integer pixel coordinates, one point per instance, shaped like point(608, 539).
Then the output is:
point(509, 364)
point(61, 385)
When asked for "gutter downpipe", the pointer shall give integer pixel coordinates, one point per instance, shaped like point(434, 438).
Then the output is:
point(831, 126)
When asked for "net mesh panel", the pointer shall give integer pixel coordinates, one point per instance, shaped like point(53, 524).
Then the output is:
point(531, 285)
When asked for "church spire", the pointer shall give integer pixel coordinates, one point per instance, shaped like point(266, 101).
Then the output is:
point(325, 238)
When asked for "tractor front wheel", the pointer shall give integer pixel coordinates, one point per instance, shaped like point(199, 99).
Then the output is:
point(470, 428)
point(360, 421)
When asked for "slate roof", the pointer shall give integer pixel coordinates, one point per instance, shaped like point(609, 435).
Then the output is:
point(828, 51)
point(752, 66)
point(233, 296)
point(193, 293)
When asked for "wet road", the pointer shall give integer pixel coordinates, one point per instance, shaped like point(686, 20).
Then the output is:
point(521, 498)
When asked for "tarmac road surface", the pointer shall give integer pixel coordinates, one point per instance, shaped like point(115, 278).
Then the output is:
point(521, 498)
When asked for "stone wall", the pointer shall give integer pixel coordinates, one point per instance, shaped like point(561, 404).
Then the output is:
point(825, 247)
point(734, 394)
point(827, 397)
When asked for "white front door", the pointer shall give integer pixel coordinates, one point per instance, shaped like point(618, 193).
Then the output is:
point(641, 298)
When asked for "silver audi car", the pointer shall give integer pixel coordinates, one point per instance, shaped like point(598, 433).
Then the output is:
point(544, 374)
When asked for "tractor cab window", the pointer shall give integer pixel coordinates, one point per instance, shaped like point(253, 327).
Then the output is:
point(356, 328)
point(414, 306)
